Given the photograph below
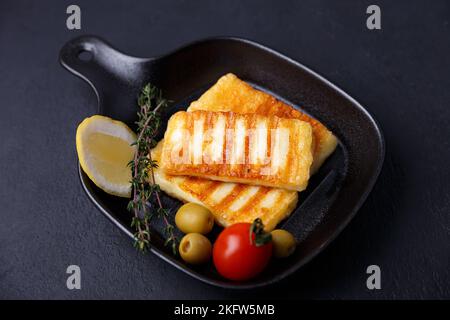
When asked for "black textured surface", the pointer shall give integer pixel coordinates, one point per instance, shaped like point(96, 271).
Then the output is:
point(400, 74)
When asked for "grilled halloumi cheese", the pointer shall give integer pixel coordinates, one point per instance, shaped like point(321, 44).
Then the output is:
point(241, 148)
point(232, 94)
point(230, 203)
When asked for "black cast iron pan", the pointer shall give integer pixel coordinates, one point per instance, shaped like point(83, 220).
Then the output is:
point(334, 194)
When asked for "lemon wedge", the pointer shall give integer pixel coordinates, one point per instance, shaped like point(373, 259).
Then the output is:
point(104, 150)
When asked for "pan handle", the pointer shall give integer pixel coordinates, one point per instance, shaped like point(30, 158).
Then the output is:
point(111, 73)
point(86, 56)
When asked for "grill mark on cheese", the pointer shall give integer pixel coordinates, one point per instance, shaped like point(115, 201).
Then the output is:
point(269, 138)
point(287, 160)
point(219, 131)
point(213, 186)
point(211, 123)
point(256, 199)
point(244, 197)
point(251, 125)
point(235, 192)
point(216, 197)
point(188, 127)
point(229, 139)
point(197, 140)
point(208, 188)
point(248, 122)
point(275, 156)
point(200, 187)
point(239, 141)
point(270, 197)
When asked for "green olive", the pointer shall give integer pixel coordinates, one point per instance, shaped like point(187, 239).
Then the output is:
point(194, 218)
point(283, 243)
point(195, 248)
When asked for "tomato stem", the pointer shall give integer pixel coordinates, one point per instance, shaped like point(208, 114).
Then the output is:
point(261, 237)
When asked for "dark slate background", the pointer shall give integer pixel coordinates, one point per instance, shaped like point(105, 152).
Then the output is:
point(400, 74)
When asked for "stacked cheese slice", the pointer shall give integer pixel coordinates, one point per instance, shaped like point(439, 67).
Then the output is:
point(241, 153)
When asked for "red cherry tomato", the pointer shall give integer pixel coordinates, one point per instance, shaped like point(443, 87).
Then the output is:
point(235, 258)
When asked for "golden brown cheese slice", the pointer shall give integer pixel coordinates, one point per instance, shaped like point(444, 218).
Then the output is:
point(241, 148)
point(232, 94)
point(229, 202)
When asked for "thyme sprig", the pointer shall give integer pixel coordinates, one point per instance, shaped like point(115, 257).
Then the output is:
point(146, 202)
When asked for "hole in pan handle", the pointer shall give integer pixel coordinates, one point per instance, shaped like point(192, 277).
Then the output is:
point(113, 75)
